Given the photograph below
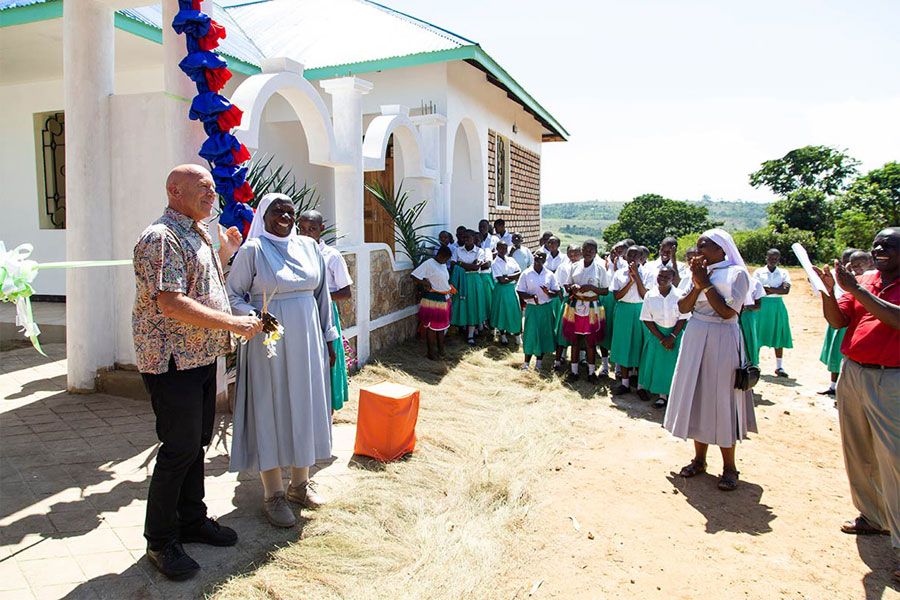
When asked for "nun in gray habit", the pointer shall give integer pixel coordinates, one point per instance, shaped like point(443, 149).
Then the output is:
point(704, 404)
point(282, 413)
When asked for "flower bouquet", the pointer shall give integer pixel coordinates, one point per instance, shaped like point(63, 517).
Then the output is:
point(272, 329)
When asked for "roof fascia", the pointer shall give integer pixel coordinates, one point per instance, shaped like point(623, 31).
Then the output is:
point(473, 52)
point(21, 15)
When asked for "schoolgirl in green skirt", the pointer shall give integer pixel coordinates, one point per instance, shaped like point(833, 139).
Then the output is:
point(749, 320)
point(470, 310)
point(774, 323)
point(536, 287)
point(664, 325)
point(506, 311)
point(339, 379)
point(629, 287)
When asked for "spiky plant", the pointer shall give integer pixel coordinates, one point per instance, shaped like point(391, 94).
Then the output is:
point(406, 230)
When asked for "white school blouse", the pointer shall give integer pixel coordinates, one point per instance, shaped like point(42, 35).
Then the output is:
point(336, 273)
point(452, 247)
point(531, 281)
point(552, 262)
point(654, 266)
point(474, 255)
point(755, 292)
point(732, 282)
point(620, 279)
point(435, 273)
point(504, 266)
point(663, 310)
point(594, 274)
point(506, 237)
point(564, 274)
point(523, 257)
point(772, 279)
point(489, 245)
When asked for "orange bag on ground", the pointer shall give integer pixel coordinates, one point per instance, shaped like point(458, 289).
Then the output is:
point(386, 421)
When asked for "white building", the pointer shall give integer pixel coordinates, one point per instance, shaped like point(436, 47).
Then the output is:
point(93, 114)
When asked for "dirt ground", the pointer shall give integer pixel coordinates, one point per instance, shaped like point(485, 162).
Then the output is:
point(644, 532)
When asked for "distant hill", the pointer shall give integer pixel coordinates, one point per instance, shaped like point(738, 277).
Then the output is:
point(735, 215)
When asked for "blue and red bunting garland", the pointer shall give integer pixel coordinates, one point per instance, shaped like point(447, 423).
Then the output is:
point(209, 72)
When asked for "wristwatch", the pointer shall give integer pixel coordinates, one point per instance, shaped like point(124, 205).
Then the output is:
point(707, 288)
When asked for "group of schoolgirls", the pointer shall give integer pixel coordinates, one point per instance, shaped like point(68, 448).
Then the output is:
point(470, 284)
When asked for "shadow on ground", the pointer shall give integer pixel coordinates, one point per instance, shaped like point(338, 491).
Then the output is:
point(739, 511)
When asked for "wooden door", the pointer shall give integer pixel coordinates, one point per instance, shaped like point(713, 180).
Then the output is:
point(379, 226)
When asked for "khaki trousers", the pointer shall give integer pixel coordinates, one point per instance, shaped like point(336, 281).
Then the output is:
point(868, 403)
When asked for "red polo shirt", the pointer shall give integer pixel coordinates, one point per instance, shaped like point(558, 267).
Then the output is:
point(868, 340)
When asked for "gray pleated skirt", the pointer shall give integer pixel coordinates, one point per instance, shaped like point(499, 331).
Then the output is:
point(703, 404)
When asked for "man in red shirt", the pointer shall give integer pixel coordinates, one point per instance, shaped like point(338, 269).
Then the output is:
point(868, 389)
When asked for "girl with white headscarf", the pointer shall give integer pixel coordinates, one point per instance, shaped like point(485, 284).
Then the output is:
point(282, 415)
point(704, 404)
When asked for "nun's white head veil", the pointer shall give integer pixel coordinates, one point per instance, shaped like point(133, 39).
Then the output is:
point(724, 240)
point(258, 226)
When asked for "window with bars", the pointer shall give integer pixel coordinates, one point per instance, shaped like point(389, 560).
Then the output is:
point(50, 138)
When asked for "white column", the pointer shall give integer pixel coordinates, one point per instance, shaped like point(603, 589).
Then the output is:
point(346, 111)
point(432, 130)
point(88, 67)
point(183, 136)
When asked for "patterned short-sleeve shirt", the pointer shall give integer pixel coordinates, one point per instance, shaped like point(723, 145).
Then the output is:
point(175, 254)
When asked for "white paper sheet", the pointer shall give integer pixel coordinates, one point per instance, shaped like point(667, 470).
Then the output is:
point(814, 279)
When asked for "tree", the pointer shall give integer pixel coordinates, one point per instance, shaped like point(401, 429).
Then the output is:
point(613, 234)
point(649, 218)
point(876, 194)
point(854, 229)
point(818, 167)
point(805, 208)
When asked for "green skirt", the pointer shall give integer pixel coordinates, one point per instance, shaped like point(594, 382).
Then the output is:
point(657, 363)
point(749, 320)
point(628, 337)
point(609, 304)
point(539, 336)
point(339, 387)
point(831, 355)
point(506, 312)
point(488, 283)
point(470, 309)
point(774, 325)
point(559, 309)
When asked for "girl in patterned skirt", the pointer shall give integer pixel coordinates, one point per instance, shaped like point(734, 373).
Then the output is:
point(434, 309)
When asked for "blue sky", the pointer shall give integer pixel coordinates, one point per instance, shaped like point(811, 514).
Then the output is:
point(687, 98)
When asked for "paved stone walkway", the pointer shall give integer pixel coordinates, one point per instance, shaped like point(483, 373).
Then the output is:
point(74, 472)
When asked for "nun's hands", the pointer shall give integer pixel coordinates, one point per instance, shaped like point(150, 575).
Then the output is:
point(698, 272)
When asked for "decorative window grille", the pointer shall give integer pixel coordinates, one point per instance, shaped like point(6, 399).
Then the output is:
point(502, 154)
point(52, 169)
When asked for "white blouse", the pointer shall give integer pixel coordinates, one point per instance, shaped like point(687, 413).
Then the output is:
point(564, 274)
point(504, 266)
point(523, 257)
point(653, 267)
point(469, 257)
point(531, 281)
point(732, 283)
point(772, 279)
point(663, 310)
point(337, 274)
point(594, 274)
point(435, 273)
point(620, 280)
point(755, 292)
point(552, 262)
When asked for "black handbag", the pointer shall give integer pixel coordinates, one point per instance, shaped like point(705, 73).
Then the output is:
point(747, 375)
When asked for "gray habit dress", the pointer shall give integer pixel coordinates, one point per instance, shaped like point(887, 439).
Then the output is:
point(282, 411)
point(703, 404)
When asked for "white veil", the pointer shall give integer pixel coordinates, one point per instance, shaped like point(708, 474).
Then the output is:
point(258, 225)
point(724, 240)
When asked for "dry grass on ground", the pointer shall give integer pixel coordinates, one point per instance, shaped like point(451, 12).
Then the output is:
point(442, 523)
